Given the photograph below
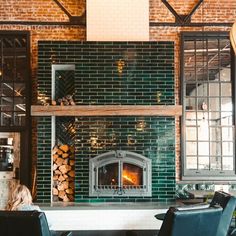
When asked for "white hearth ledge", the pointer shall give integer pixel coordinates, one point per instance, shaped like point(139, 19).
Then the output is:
point(105, 217)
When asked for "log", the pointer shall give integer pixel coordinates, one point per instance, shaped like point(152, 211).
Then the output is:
point(59, 161)
point(65, 155)
point(57, 172)
point(59, 152)
point(64, 148)
point(65, 162)
point(55, 156)
point(71, 173)
point(71, 185)
point(63, 173)
point(61, 194)
point(71, 197)
point(61, 178)
point(54, 191)
point(72, 162)
point(69, 191)
point(64, 169)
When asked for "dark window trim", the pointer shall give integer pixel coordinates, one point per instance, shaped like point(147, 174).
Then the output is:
point(205, 176)
point(25, 131)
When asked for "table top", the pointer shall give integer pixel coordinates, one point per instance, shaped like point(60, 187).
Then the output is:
point(206, 193)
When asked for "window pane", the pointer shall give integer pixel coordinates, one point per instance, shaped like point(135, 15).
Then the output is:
point(214, 104)
point(6, 104)
point(228, 163)
point(191, 162)
point(215, 163)
point(215, 148)
point(191, 133)
point(190, 118)
point(226, 104)
point(19, 104)
point(108, 175)
point(227, 149)
point(204, 163)
point(214, 90)
point(203, 148)
point(226, 89)
point(215, 133)
point(6, 89)
point(19, 118)
point(227, 133)
point(191, 148)
point(21, 62)
point(19, 89)
point(6, 118)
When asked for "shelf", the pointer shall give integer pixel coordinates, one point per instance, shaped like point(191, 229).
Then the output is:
point(107, 110)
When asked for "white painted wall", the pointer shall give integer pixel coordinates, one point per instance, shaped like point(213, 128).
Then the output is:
point(117, 20)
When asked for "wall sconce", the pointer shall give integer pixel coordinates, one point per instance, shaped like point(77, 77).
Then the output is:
point(120, 66)
point(53, 57)
point(158, 96)
point(141, 125)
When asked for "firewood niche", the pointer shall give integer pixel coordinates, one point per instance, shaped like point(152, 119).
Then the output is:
point(63, 173)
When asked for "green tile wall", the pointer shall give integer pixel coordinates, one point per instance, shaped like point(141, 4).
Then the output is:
point(148, 70)
point(44, 160)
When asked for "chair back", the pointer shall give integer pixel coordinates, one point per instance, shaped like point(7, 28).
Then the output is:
point(27, 223)
point(228, 203)
point(197, 222)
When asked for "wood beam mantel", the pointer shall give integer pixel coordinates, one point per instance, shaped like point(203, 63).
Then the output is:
point(107, 110)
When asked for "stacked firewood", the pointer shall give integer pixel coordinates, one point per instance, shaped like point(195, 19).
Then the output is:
point(64, 101)
point(63, 173)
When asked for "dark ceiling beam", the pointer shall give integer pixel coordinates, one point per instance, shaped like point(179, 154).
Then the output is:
point(72, 19)
point(56, 23)
point(182, 19)
point(194, 24)
point(188, 17)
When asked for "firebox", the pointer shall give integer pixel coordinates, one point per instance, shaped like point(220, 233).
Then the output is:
point(120, 173)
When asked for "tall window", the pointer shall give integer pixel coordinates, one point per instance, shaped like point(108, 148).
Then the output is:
point(208, 138)
point(14, 77)
point(15, 86)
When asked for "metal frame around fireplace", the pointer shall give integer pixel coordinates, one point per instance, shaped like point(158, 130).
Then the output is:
point(120, 157)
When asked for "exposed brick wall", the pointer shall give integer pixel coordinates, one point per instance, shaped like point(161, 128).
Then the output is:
point(48, 10)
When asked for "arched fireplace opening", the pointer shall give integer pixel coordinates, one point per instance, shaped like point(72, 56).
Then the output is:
point(120, 173)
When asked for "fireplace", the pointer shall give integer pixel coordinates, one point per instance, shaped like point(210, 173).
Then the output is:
point(145, 140)
point(120, 173)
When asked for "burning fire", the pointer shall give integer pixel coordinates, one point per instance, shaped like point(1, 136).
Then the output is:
point(130, 178)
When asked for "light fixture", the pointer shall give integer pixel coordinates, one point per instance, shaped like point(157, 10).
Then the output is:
point(233, 36)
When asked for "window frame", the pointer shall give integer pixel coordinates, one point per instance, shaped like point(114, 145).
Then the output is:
point(193, 174)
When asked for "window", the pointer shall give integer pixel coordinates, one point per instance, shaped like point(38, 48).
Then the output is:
point(208, 138)
point(14, 75)
point(15, 87)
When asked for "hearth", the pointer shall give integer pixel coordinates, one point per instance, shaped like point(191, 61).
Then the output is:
point(120, 173)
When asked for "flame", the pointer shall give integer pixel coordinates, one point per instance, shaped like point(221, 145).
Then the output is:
point(130, 178)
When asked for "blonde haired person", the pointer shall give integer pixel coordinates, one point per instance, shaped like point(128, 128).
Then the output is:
point(21, 200)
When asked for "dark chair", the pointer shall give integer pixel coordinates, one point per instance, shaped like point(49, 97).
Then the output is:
point(198, 222)
point(228, 203)
point(27, 223)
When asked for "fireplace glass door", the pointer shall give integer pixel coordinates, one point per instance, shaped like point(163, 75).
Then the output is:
point(108, 176)
point(132, 176)
point(120, 173)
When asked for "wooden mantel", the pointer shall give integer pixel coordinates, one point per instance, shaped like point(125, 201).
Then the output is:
point(107, 110)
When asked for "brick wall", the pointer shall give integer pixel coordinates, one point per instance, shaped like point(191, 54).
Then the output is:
point(48, 10)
